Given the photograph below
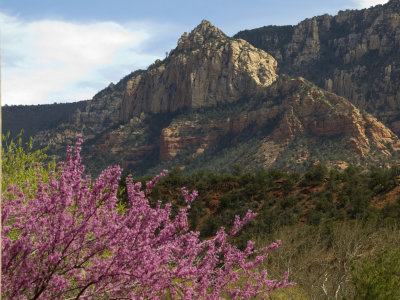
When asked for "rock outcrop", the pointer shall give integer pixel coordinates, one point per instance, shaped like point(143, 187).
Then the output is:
point(353, 54)
point(291, 108)
point(207, 68)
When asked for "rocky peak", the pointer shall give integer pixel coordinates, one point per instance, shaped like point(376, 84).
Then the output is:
point(207, 31)
point(206, 69)
point(204, 32)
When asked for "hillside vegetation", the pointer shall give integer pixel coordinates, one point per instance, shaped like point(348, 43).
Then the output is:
point(338, 229)
point(334, 225)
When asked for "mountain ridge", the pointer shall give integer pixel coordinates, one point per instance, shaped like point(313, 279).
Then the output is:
point(353, 54)
point(217, 79)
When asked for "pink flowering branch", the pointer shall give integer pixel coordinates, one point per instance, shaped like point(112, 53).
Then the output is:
point(238, 224)
point(70, 241)
point(189, 198)
point(152, 183)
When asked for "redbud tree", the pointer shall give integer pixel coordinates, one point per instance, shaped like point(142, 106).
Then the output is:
point(71, 240)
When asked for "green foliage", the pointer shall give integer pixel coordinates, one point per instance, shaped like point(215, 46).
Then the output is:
point(355, 196)
point(316, 175)
point(314, 217)
point(21, 164)
point(280, 198)
point(210, 227)
point(383, 180)
point(290, 183)
point(379, 278)
point(391, 212)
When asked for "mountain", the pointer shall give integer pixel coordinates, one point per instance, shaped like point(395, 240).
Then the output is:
point(207, 68)
point(216, 102)
point(354, 54)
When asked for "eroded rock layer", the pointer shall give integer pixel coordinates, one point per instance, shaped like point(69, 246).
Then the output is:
point(354, 54)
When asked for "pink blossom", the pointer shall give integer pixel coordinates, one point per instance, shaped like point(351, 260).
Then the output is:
point(71, 241)
point(238, 224)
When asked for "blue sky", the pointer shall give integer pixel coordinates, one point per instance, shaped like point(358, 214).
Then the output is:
point(63, 51)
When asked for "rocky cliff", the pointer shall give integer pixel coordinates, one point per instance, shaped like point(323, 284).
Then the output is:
point(207, 68)
point(216, 101)
point(353, 54)
point(291, 125)
point(291, 109)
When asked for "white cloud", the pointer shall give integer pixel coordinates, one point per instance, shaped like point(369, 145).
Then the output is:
point(49, 61)
point(368, 3)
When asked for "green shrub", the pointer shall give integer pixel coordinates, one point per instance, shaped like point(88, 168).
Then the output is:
point(316, 175)
point(21, 164)
point(380, 278)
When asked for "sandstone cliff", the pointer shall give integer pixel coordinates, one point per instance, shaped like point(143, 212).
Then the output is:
point(353, 54)
point(291, 108)
point(205, 69)
point(291, 125)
